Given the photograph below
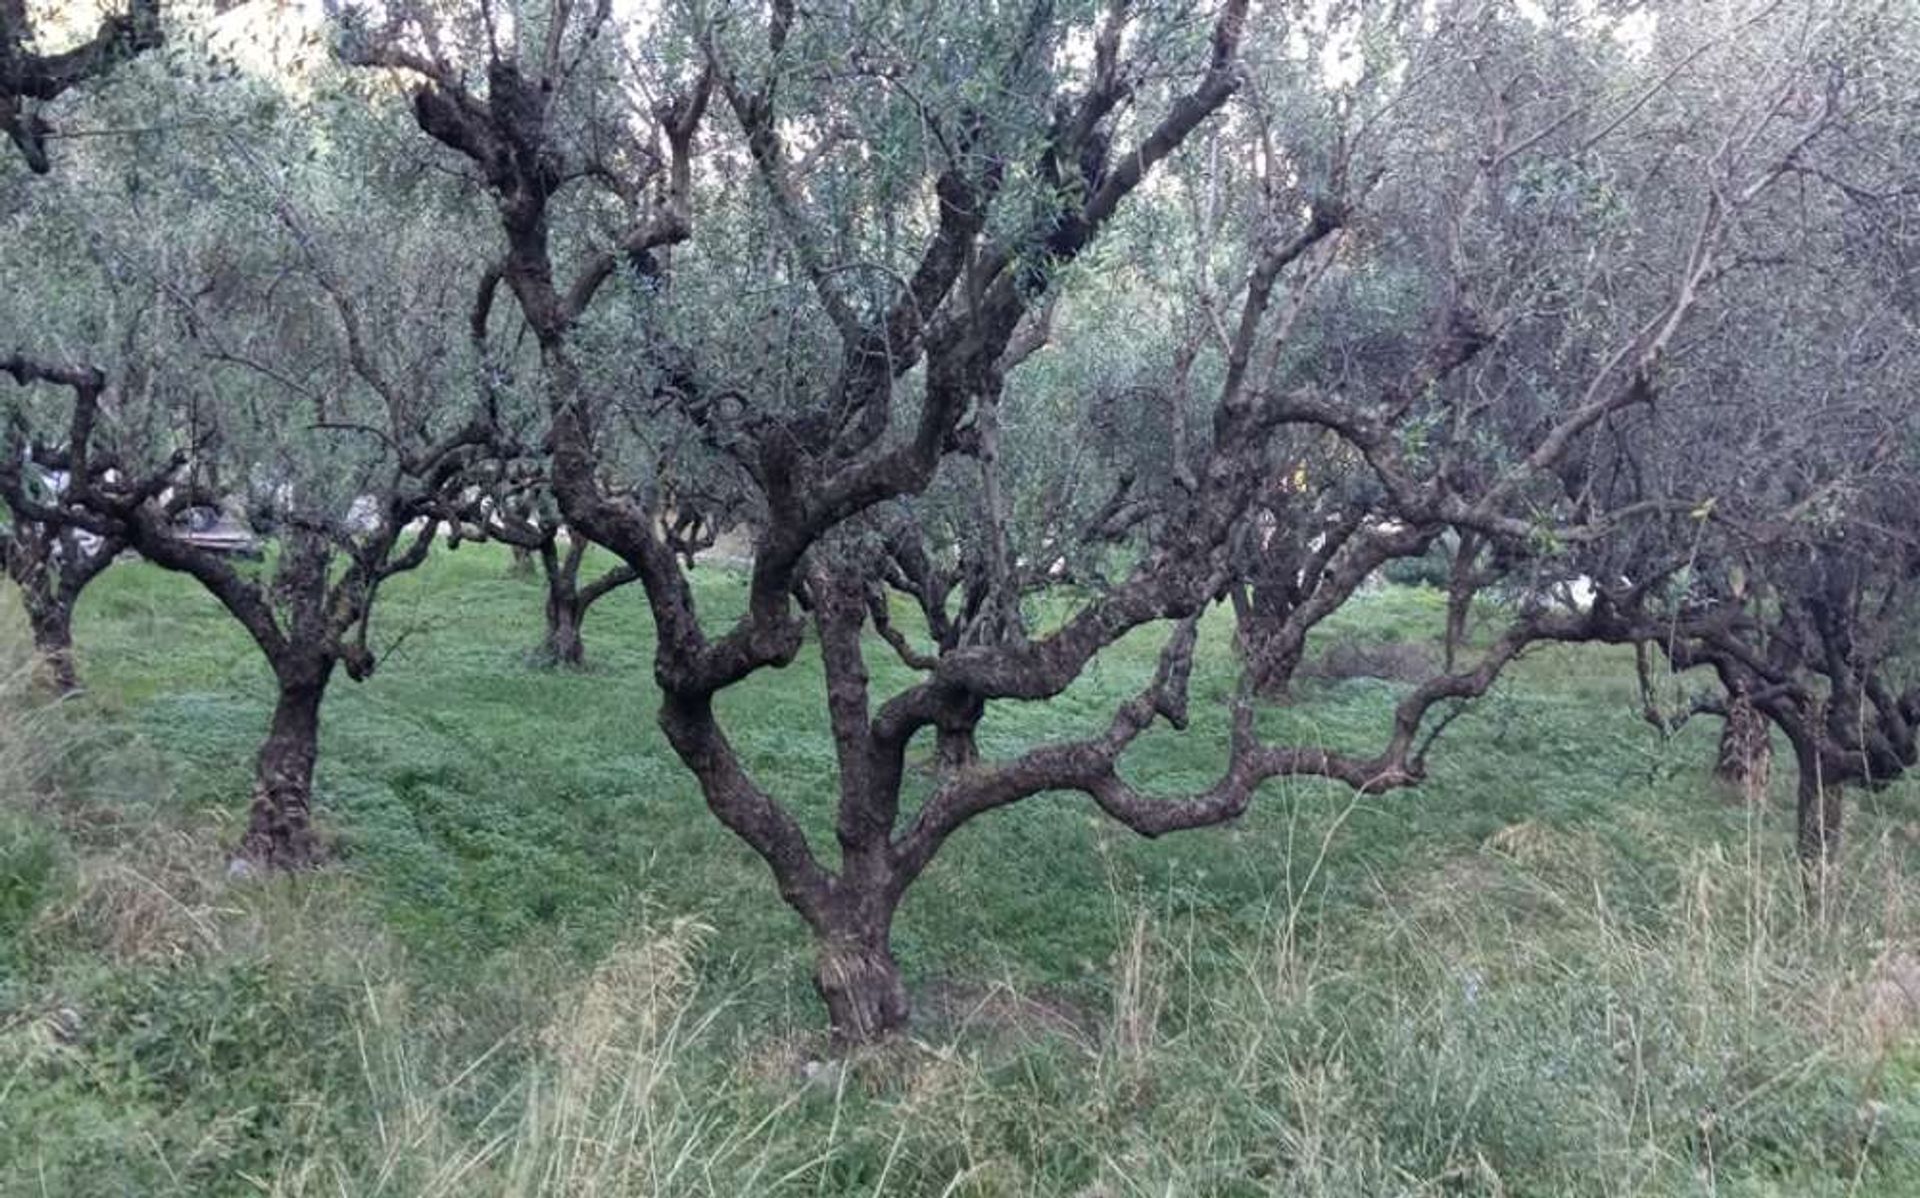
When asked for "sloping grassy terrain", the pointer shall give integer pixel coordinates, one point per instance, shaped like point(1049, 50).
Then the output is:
point(1568, 965)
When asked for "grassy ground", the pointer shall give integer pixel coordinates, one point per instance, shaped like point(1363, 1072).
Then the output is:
point(1568, 965)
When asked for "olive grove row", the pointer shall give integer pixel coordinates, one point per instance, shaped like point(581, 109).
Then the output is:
point(939, 308)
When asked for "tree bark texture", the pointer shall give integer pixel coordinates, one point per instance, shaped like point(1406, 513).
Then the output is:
point(565, 611)
point(857, 977)
point(52, 623)
point(279, 831)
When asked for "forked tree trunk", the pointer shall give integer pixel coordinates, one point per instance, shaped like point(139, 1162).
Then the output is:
point(563, 645)
point(280, 824)
point(1270, 663)
point(1817, 820)
point(52, 623)
point(857, 977)
point(566, 607)
point(50, 572)
point(1461, 585)
point(1271, 667)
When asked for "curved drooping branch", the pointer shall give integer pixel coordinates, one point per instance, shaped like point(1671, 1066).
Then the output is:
point(1092, 766)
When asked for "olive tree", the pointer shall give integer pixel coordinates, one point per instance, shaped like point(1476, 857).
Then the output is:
point(1784, 566)
point(822, 246)
point(51, 562)
point(531, 524)
point(1748, 496)
point(244, 335)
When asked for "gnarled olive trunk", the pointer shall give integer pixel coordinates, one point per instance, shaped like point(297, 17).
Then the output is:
point(51, 619)
point(51, 567)
point(566, 605)
point(855, 973)
point(1260, 624)
point(563, 645)
point(280, 823)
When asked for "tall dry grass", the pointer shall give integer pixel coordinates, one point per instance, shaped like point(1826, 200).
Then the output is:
point(1503, 1024)
point(1608, 1010)
point(618, 1097)
point(26, 742)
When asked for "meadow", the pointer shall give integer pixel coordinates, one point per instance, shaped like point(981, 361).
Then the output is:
point(1569, 964)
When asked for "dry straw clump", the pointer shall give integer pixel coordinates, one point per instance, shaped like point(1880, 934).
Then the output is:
point(138, 887)
point(610, 1110)
point(27, 741)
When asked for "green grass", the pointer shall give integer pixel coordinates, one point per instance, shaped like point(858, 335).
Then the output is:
point(1566, 965)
